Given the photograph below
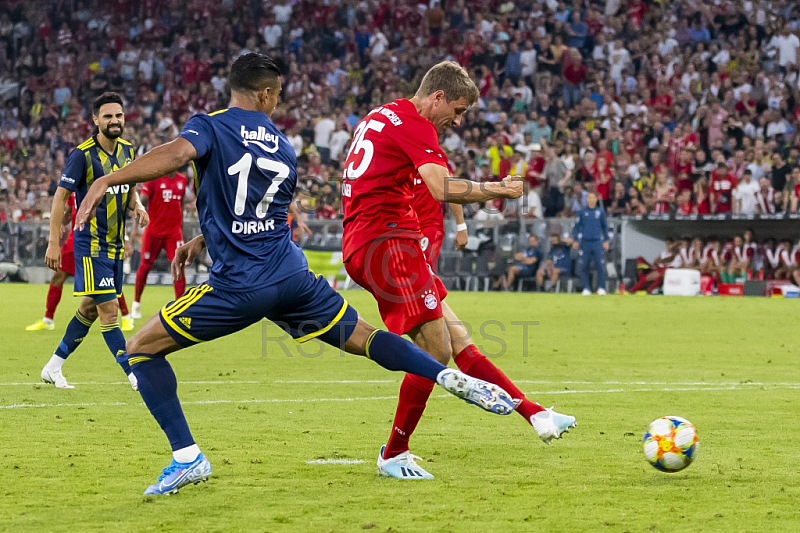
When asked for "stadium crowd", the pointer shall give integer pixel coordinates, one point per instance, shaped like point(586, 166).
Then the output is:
point(669, 107)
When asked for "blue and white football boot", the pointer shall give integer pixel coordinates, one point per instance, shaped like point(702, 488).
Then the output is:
point(403, 466)
point(550, 425)
point(485, 395)
point(178, 475)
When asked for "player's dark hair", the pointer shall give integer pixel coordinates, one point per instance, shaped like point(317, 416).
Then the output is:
point(253, 72)
point(450, 77)
point(106, 98)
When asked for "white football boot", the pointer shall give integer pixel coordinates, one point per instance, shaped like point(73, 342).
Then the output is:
point(550, 425)
point(55, 377)
point(403, 466)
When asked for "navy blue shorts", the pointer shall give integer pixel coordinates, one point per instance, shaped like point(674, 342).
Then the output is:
point(304, 305)
point(98, 277)
point(527, 271)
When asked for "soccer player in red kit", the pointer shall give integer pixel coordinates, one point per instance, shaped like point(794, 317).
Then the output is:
point(165, 197)
point(394, 145)
point(66, 269)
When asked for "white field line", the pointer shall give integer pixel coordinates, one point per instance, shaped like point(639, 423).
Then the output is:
point(380, 381)
point(335, 462)
point(104, 383)
point(346, 381)
point(732, 387)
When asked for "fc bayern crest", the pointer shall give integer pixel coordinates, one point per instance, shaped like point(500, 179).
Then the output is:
point(431, 301)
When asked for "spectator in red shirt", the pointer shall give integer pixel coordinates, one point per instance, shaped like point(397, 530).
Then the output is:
point(685, 205)
point(603, 176)
point(664, 100)
point(536, 164)
point(746, 106)
point(720, 190)
point(574, 72)
point(701, 197)
point(684, 164)
point(684, 183)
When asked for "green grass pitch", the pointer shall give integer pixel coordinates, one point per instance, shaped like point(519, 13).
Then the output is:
point(78, 460)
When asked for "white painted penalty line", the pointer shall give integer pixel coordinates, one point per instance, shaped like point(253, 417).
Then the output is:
point(383, 381)
point(733, 387)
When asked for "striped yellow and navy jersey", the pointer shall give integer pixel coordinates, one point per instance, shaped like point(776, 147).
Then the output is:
point(104, 235)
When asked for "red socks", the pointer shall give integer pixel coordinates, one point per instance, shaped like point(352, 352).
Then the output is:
point(123, 306)
point(53, 297)
point(179, 285)
point(414, 394)
point(415, 391)
point(473, 362)
point(640, 284)
point(141, 281)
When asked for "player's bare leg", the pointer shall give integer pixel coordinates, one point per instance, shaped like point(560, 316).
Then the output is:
point(59, 277)
point(540, 276)
point(555, 274)
point(513, 272)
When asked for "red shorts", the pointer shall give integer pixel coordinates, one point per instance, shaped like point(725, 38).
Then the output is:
point(395, 271)
point(431, 244)
point(151, 246)
point(68, 257)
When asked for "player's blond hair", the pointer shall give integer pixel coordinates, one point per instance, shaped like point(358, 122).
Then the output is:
point(450, 77)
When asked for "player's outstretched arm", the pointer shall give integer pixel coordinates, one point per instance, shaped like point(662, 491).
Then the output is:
point(158, 162)
point(457, 191)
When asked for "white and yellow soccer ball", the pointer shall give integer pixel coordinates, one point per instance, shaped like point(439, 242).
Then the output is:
point(670, 443)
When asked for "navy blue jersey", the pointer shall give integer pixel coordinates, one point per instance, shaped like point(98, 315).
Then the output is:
point(532, 251)
point(245, 175)
point(560, 255)
point(104, 235)
point(591, 224)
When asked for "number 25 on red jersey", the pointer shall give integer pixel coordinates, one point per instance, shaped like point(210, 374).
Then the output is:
point(360, 145)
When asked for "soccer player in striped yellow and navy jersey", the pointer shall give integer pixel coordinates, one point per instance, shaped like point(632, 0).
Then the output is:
point(99, 246)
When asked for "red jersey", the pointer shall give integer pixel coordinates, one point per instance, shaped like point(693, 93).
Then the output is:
point(164, 204)
point(429, 211)
point(721, 188)
point(388, 147)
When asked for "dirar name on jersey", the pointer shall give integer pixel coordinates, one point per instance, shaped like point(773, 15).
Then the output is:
point(252, 226)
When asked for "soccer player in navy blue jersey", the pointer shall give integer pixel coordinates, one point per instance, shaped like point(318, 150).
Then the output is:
point(99, 244)
point(245, 172)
